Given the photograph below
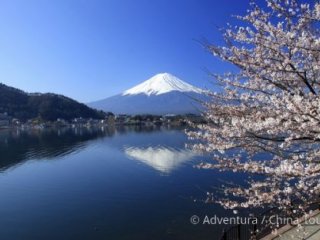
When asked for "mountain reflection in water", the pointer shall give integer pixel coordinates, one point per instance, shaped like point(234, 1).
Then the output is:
point(163, 159)
point(82, 183)
point(18, 146)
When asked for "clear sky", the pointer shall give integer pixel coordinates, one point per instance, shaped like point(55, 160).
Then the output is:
point(92, 49)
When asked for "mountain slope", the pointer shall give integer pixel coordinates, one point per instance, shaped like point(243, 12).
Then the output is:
point(161, 94)
point(48, 106)
point(160, 84)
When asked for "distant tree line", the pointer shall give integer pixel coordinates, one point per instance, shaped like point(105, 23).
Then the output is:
point(48, 107)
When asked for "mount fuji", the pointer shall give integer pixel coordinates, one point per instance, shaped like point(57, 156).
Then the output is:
point(162, 94)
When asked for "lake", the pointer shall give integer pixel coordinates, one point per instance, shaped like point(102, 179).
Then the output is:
point(125, 183)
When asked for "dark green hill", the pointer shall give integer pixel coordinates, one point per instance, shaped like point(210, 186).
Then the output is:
point(49, 107)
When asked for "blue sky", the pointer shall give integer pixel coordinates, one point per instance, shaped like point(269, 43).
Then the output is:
point(92, 49)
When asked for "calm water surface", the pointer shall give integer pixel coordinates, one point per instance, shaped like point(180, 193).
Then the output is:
point(126, 183)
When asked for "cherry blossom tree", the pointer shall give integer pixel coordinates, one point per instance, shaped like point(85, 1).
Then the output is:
point(266, 121)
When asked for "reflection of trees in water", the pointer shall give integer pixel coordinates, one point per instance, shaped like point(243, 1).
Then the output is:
point(144, 129)
point(17, 146)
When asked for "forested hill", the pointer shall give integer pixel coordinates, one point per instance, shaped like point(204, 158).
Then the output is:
point(48, 106)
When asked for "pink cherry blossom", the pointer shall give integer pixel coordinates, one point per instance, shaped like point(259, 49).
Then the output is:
point(265, 119)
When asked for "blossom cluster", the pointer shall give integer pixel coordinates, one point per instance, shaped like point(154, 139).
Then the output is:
point(266, 118)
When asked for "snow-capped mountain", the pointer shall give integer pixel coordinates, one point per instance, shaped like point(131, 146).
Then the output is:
point(161, 94)
point(160, 84)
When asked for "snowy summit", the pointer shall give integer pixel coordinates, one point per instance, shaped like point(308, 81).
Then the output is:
point(160, 84)
point(162, 94)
